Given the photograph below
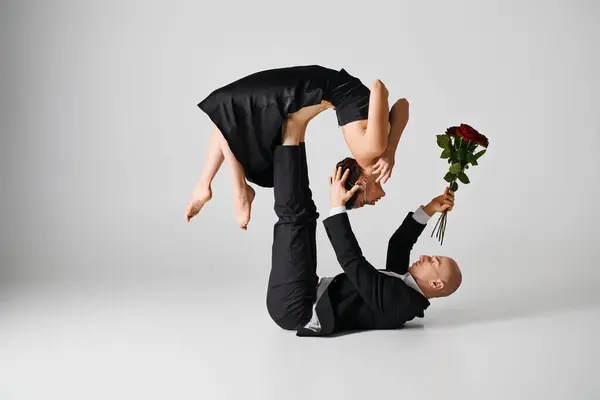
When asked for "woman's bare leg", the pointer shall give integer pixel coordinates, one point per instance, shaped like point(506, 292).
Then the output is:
point(218, 151)
point(202, 192)
point(243, 194)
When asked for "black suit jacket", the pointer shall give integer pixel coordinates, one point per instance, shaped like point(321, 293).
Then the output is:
point(361, 297)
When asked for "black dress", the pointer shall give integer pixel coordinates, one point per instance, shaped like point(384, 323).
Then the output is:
point(251, 111)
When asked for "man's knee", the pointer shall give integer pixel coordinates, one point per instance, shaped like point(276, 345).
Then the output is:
point(288, 313)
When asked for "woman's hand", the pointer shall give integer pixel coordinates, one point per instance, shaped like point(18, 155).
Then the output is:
point(384, 166)
point(338, 195)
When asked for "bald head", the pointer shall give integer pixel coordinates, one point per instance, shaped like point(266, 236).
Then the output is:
point(437, 276)
point(453, 278)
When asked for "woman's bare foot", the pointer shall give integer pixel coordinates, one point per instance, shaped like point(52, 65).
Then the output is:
point(243, 206)
point(200, 196)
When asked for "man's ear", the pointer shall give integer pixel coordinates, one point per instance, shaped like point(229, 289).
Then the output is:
point(437, 284)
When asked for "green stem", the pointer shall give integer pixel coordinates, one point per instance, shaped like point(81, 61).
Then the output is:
point(439, 234)
point(444, 229)
point(454, 181)
point(444, 221)
point(436, 225)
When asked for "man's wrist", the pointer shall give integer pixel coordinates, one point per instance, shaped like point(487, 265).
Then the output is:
point(337, 210)
point(421, 216)
point(429, 209)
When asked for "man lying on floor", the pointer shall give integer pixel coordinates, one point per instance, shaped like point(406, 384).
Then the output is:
point(361, 297)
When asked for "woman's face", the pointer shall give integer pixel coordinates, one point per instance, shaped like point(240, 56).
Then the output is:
point(374, 192)
point(371, 191)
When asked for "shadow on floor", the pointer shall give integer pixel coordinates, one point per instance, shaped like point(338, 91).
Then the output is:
point(515, 304)
point(411, 326)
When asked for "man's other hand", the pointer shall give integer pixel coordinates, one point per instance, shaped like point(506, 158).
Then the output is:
point(338, 195)
point(444, 202)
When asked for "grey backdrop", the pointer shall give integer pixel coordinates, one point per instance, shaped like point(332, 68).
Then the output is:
point(102, 141)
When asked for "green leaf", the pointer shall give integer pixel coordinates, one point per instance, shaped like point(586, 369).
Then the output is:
point(463, 178)
point(454, 186)
point(478, 155)
point(462, 154)
point(443, 141)
point(449, 177)
point(471, 158)
point(445, 153)
point(455, 168)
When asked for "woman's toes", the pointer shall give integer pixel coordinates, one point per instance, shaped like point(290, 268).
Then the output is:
point(200, 197)
point(243, 207)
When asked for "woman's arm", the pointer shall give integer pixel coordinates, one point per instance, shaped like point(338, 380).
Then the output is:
point(368, 139)
point(398, 121)
point(386, 161)
point(378, 127)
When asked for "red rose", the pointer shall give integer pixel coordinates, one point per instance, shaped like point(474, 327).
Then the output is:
point(468, 133)
point(452, 131)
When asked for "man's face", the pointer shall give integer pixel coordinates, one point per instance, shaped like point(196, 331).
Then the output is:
point(437, 272)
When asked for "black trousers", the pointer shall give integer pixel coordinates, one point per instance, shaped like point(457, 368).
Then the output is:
point(292, 287)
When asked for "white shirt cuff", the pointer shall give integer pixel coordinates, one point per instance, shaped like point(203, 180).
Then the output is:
point(421, 216)
point(337, 210)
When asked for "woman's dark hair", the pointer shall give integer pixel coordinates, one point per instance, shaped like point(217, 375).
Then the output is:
point(355, 173)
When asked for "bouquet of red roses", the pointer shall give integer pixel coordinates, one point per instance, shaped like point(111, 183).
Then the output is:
point(459, 144)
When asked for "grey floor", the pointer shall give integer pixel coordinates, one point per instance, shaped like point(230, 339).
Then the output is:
point(178, 339)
